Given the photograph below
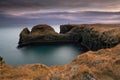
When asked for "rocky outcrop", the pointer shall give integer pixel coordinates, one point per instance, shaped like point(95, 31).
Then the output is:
point(24, 35)
point(91, 36)
point(103, 64)
point(94, 36)
point(66, 28)
point(42, 28)
point(40, 34)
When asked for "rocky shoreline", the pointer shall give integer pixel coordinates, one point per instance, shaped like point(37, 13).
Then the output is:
point(100, 62)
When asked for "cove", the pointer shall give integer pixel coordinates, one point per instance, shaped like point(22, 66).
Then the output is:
point(44, 54)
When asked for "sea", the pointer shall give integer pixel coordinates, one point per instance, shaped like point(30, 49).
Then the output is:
point(43, 54)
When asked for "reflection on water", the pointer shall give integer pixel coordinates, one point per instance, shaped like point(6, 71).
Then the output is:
point(48, 54)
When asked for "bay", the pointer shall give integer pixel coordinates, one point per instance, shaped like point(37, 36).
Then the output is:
point(44, 54)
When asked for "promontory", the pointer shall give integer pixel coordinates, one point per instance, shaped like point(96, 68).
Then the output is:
point(91, 36)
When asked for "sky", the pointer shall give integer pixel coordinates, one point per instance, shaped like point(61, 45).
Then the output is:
point(56, 12)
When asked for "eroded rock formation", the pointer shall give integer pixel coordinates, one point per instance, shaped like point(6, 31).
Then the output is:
point(91, 36)
point(41, 34)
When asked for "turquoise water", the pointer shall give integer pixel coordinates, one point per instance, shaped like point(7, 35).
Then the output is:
point(45, 54)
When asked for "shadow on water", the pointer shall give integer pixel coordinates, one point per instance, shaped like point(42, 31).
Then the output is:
point(50, 54)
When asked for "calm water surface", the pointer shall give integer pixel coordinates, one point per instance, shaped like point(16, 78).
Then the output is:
point(47, 54)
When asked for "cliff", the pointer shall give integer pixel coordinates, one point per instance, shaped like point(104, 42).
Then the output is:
point(41, 34)
point(103, 64)
point(91, 36)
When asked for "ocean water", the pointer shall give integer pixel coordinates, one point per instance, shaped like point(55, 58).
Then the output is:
point(44, 54)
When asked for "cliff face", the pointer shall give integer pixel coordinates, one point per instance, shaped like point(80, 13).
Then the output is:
point(103, 64)
point(91, 36)
point(39, 34)
point(66, 28)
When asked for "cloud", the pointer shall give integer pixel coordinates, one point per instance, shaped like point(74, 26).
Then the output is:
point(28, 6)
point(67, 17)
point(73, 16)
point(23, 7)
point(59, 11)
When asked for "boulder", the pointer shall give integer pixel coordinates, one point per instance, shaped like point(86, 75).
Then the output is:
point(74, 68)
point(87, 76)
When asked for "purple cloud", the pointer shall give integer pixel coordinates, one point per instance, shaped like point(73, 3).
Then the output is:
point(60, 11)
